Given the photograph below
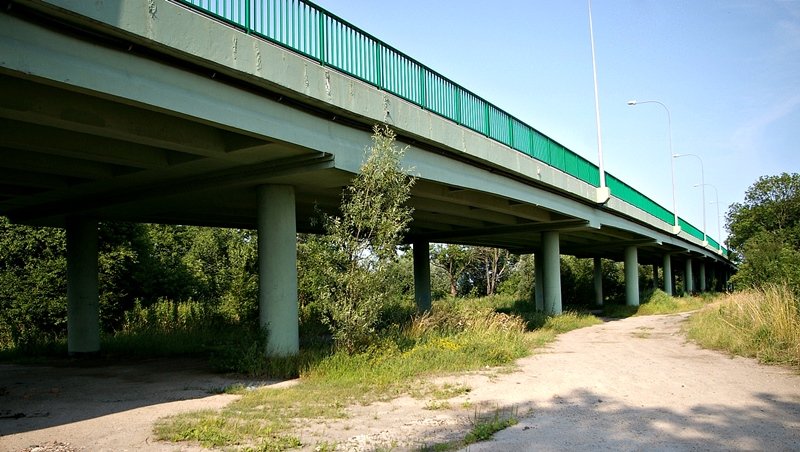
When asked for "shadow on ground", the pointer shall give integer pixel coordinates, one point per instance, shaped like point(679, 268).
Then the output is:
point(37, 397)
point(584, 420)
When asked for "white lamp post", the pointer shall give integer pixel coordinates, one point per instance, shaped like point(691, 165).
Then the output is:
point(676, 228)
point(603, 192)
point(703, 184)
point(719, 219)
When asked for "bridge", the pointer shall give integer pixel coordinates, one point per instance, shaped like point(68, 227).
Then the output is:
point(249, 113)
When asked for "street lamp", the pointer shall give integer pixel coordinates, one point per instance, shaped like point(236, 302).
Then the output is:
point(719, 219)
point(703, 183)
point(603, 193)
point(676, 228)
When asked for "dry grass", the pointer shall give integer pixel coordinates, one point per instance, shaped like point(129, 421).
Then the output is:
point(759, 323)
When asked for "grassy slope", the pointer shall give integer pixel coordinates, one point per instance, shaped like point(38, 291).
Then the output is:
point(456, 336)
point(758, 323)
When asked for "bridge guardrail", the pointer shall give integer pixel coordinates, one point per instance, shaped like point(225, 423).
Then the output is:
point(310, 30)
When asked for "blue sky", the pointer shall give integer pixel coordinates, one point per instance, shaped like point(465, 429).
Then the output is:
point(728, 70)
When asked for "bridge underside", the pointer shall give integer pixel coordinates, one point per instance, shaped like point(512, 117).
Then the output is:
point(94, 127)
point(65, 153)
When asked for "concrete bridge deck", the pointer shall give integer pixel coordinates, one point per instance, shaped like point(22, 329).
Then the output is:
point(153, 112)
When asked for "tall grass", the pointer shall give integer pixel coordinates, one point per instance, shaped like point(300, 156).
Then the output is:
point(658, 302)
point(760, 323)
point(455, 336)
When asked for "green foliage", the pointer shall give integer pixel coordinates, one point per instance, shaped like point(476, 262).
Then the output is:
point(170, 328)
point(657, 302)
point(577, 281)
point(454, 336)
point(765, 230)
point(768, 259)
point(137, 263)
point(761, 323)
point(358, 253)
point(486, 270)
point(520, 282)
point(569, 321)
point(483, 428)
point(772, 204)
point(212, 430)
point(33, 290)
point(454, 260)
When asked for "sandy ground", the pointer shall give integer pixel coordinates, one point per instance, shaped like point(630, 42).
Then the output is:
point(632, 384)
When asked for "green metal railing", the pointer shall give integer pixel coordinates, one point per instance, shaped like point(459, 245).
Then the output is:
point(310, 30)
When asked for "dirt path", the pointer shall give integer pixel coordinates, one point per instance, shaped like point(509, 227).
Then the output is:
point(630, 384)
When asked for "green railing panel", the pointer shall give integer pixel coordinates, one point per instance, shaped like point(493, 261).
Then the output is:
point(521, 135)
point(500, 126)
point(628, 194)
point(473, 112)
point(588, 172)
point(304, 27)
point(714, 244)
point(292, 23)
point(540, 145)
point(557, 155)
point(442, 97)
point(690, 229)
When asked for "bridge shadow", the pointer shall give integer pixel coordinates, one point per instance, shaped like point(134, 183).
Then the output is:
point(584, 420)
point(37, 397)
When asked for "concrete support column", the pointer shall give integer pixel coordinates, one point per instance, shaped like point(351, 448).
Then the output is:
point(598, 281)
point(688, 279)
point(702, 276)
point(668, 274)
point(631, 276)
point(422, 276)
point(551, 257)
point(538, 288)
point(83, 300)
point(277, 269)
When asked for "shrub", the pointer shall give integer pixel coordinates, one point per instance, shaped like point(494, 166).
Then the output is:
point(360, 246)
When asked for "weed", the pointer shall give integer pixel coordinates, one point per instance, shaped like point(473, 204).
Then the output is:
point(437, 405)
point(453, 337)
point(657, 302)
point(450, 390)
point(325, 446)
point(569, 321)
point(483, 427)
point(758, 323)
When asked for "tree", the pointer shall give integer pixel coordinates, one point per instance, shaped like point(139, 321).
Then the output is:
point(360, 245)
point(454, 260)
point(495, 263)
point(765, 232)
point(33, 269)
point(520, 281)
point(771, 204)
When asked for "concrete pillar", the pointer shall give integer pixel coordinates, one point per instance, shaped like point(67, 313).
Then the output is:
point(83, 300)
point(668, 274)
point(631, 276)
point(688, 280)
point(598, 281)
point(551, 257)
point(538, 268)
point(702, 276)
point(422, 276)
point(277, 269)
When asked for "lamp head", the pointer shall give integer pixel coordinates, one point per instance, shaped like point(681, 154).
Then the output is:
point(631, 102)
